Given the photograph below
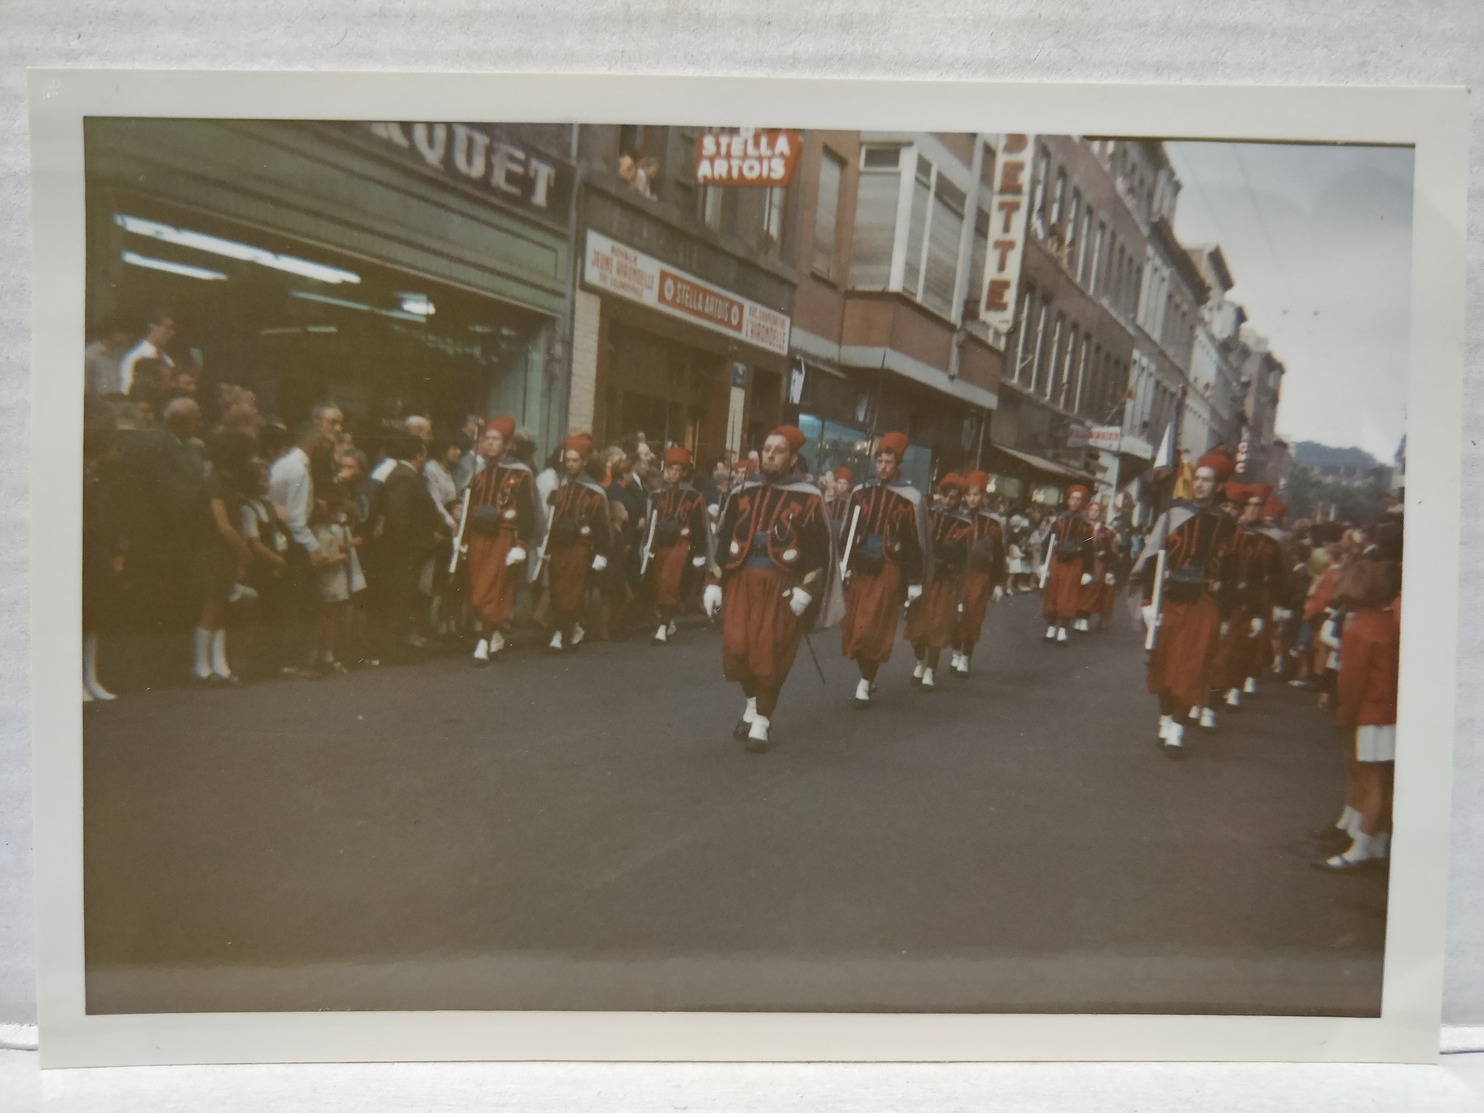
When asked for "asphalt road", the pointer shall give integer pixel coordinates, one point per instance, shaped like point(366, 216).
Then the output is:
point(582, 832)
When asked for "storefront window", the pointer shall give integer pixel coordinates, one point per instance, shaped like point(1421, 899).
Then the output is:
point(298, 323)
point(830, 444)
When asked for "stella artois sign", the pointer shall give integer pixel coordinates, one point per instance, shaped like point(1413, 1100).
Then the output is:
point(747, 157)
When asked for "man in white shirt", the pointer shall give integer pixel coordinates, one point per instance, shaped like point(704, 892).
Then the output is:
point(101, 357)
point(157, 335)
point(291, 488)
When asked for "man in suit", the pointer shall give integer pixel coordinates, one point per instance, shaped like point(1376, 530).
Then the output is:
point(407, 533)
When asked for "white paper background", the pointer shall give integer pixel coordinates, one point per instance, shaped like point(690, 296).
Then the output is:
point(1268, 42)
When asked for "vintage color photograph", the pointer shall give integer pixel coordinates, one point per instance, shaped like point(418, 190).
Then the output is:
point(637, 567)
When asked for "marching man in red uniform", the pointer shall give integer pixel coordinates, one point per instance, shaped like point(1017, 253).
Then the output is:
point(772, 571)
point(578, 539)
point(984, 578)
point(675, 540)
point(1185, 565)
point(1263, 544)
point(887, 556)
point(502, 524)
point(1068, 565)
point(1096, 597)
point(932, 619)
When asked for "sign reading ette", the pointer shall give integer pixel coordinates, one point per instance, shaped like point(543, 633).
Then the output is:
point(747, 157)
point(476, 156)
point(1006, 232)
point(610, 266)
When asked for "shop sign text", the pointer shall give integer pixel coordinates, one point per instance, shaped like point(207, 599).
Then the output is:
point(747, 157)
point(1007, 224)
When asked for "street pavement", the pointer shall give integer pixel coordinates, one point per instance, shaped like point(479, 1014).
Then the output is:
point(581, 831)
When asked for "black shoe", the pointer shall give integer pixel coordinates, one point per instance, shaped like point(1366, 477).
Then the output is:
point(1172, 752)
point(743, 728)
point(755, 746)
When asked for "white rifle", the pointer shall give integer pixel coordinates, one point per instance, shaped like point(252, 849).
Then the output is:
point(458, 538)
point(1046, 565)
point(647, 552)
point(1158, 599)
point(855, 519)
point(545, 542)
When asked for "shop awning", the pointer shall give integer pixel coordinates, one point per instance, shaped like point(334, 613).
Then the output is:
point(1042, 465)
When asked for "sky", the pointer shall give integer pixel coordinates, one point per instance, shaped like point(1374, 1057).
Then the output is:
point(1318, 239)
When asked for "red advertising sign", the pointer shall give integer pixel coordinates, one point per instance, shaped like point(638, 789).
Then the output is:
point(701, 302)
point(747, 157)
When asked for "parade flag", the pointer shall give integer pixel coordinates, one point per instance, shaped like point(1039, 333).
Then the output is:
point(1165, 459)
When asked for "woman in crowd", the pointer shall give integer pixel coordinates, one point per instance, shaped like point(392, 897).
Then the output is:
point(224, 557)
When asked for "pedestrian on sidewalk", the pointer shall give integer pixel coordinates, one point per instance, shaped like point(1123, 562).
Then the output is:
point(890, 559)
point(1068, 560)
point(772, 570)
point(933, 618)
point(986, 574)
point(675, 541)
point(503, 526)
point(1196, 538)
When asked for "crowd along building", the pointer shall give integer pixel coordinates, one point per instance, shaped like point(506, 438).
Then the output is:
point(394, 267)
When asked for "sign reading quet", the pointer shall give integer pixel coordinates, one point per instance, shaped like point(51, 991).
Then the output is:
point(629, 273)
point(747, 157)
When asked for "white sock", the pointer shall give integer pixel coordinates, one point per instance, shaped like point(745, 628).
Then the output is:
point(219, 654)
point(750, 714)
point(759, 730)
point(919, 669)
point(927, 677)
point(497, 641)
point(1361, 847)
point(1051, 632)
point(1165, 721)
point(201, 645)
point(863, 691)
point(1348, 818)
point(482, 649)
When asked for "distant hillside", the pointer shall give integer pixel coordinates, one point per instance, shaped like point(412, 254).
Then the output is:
point(1320, 456)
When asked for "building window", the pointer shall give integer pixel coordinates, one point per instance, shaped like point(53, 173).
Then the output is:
point(1093, 270)
point(1074, 242)
point(917, 221)
point(1064, 396)
point(1059, 197)
point(978, 253)
point(945, 233)
point(1053, 358)
point(773, 202)
point(1084, 246)
point(1035, 369)
point(875, 217)
point(1038, 192)
point(1082, 380)
point(827, 213)
point(712, 198)
point(1022, 331)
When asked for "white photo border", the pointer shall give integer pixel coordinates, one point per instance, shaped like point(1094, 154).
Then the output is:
point(1434, 121)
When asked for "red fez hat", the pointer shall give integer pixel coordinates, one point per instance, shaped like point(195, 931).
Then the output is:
point(893, 442)
point(1274, 509)
point(976, 479)
point(1260, 491)
point(677, 455)
point(792, 435)
point(505, 424)
point(843, 473)
point(1077, 489)
point(1236, 492)
point(582, 443)
point(1216, 461)
point(954, 479)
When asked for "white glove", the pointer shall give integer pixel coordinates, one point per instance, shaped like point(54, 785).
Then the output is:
point(1087, 579)
point(1282, 616)
point(714, 510)
point(1149, 617)
point(999, 592)
point(1257, 626)
point(698, 562)
point(1226, 630)
point(600, 563)
point(913, 593)
point(515, 555)
point(798, 600)
point(711, 600)
point(960, 606)
point(1109, 579)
